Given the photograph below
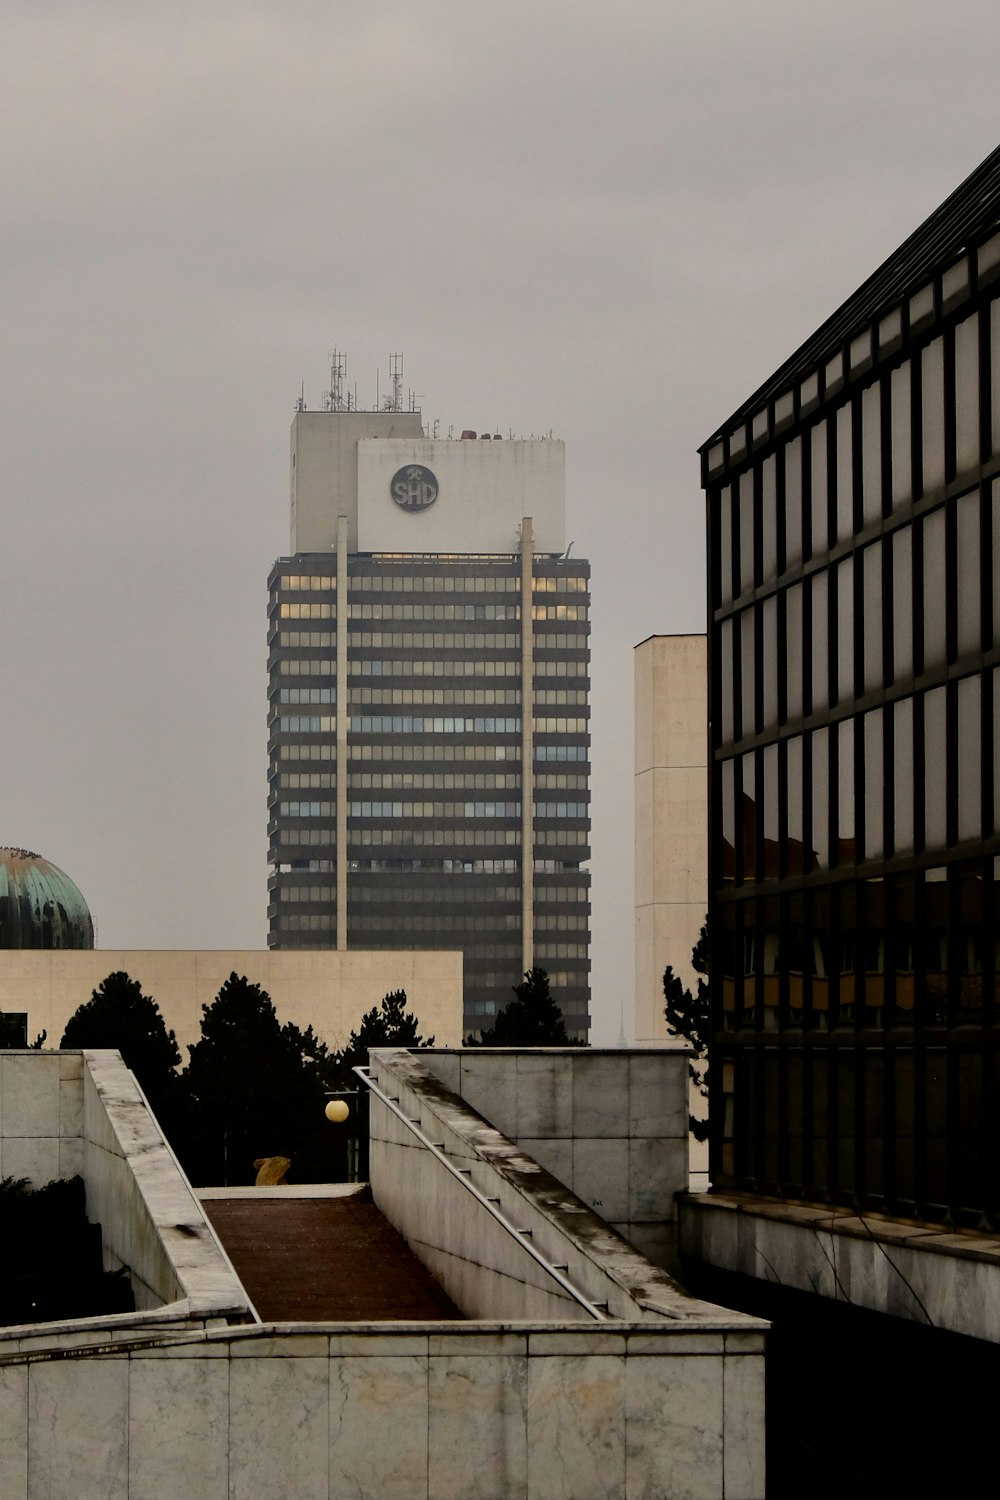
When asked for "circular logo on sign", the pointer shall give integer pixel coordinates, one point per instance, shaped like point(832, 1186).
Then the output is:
point(414, 487)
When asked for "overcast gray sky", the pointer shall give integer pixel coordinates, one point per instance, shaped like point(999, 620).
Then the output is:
point(611, 221)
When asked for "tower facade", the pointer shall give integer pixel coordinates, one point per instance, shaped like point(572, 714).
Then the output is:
point(429, 706)
point(854, 664)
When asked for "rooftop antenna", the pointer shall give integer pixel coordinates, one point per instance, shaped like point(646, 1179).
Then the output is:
point(395, 401)
point(334, 399)
point(300, 404)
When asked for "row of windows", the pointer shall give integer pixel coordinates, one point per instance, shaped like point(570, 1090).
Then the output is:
point(562, 810)
point(306, 724)
point(434, 922)
point(436, 640)
point(859, 789)
point(545, 951)
point(316, 638)
point(293, 581)
point(459, 838)
point(450, 583)
point(425, 894)
point(909, 603)
point(561, 697)
point(416, 724)
point(560, 612)
point(561, 726)
point(560, 752)
point(447, 667)
point(432, 611)
point(382, 667)
point(295, 781)
point(561, 781)
point(442, 696)
point(301, 751)
point(310, 667)
point(438, 866)
point(299, 611)
point(905, 435)
point(560, 585)
point(434, 809)
point(428, 895)
point(307, 695)
point(435, 753)
point(447, 781)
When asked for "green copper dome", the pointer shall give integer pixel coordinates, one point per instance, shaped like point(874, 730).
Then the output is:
point(40, 907)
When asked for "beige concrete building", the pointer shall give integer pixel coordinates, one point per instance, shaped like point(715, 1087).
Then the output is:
point(327, 990)
point(671, 818)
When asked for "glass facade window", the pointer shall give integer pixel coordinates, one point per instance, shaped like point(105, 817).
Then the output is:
point(855, 856)
point(932, 414)
point(793, 502)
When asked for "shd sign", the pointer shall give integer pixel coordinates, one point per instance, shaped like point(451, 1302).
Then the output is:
point(414, 487)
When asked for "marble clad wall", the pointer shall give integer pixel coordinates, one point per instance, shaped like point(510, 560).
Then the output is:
point(408, 1413)
point(486, 1271)
point(611, 1125)
point(151, 1220)
point(64, 1114)
point(41, 1115)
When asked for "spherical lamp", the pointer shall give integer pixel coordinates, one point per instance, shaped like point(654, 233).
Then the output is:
point(337, 1111)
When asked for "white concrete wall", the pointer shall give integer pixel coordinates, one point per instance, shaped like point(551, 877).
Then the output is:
point(484, 490)
point(483, 1268)
point(426, 1412)
point(671, 818)
point(324, 471)
point(150, 1219)
point(321, 988)
point(946, 1278)
point(41, 1115)
point(611, 1125)
point(68, 1114)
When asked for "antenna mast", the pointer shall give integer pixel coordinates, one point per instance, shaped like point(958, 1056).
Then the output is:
point(334, 399)
point(396, 375)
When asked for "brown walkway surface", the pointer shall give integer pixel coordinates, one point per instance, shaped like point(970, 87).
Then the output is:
point(325, 1260)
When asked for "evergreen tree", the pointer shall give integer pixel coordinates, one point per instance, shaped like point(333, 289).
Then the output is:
point(119, 1015)
point(388, 1024)
point(531, 1019)
point(688, 1016)
point(256, 1089)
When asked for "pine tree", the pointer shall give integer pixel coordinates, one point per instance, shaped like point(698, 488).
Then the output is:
point(688, 1016)
point(119, 1015)
point(531, 1019)
point(256, 1089)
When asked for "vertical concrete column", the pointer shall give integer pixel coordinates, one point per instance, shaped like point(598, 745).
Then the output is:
point(342, 720)
point(527, 757)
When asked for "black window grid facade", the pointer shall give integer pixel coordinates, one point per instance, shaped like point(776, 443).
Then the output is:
point(435, 695)
point(854, 559)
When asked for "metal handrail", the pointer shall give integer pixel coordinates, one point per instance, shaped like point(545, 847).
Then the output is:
point(491, 1208)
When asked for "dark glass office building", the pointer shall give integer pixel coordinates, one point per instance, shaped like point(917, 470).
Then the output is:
point(854, 550)
point(448, 786)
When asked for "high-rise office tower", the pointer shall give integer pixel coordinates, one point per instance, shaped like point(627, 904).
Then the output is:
point(428, 706)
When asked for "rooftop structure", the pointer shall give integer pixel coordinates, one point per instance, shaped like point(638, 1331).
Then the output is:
point(40, 906)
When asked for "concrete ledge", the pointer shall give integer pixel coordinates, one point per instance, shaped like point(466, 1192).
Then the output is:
point(943, 1278)
point(484, 1271)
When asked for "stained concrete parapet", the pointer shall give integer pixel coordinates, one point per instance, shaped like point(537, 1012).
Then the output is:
point(485, 1270)
point(390, 1412)
point(66, 1114)
point(922, 1272)
point(611, 1125)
